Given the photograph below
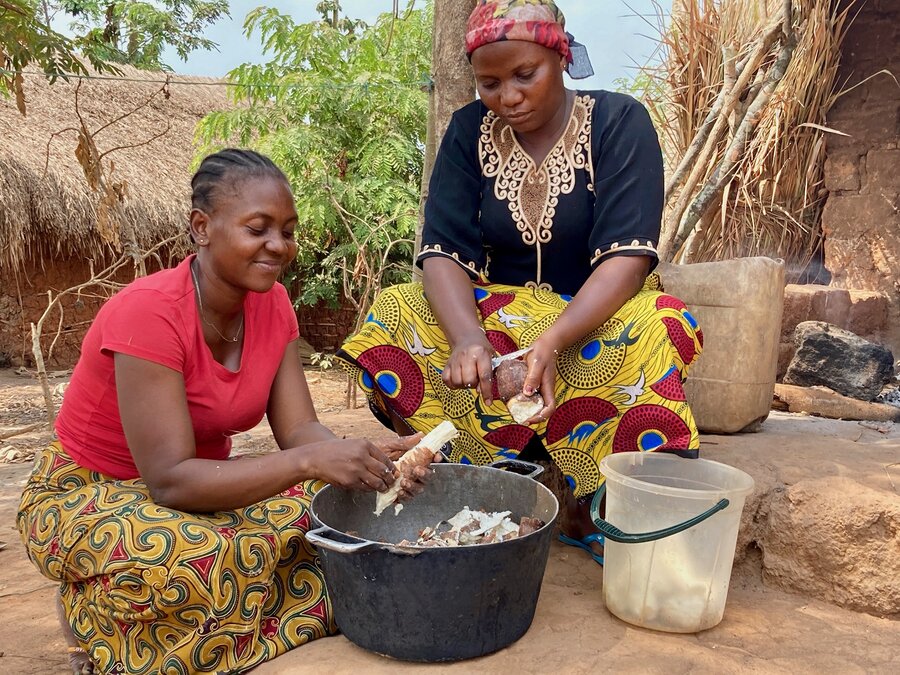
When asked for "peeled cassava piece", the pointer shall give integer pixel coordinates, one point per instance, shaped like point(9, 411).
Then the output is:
point(421, 455)
point(510, 377)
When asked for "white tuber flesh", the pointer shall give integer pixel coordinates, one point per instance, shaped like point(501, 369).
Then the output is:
point(421, 455)
point(523, 408)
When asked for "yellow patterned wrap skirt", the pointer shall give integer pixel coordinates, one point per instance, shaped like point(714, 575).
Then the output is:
point(148, 589)
point(618, 389)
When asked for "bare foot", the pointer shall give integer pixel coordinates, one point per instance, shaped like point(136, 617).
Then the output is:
point(79, 660)
point(580, 523)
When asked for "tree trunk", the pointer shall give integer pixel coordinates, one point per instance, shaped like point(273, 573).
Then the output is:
point(453, 87)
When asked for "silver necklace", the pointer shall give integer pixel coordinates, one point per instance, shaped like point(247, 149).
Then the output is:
point(237, 336)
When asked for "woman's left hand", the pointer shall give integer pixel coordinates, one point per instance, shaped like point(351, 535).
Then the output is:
point(541, 376)
point(395, 447)
point(410, 485)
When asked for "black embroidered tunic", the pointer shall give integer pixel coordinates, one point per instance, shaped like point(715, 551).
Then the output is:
point(597, 194)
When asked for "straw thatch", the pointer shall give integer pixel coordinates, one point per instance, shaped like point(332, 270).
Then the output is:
point(757, 76)
point(48, 210)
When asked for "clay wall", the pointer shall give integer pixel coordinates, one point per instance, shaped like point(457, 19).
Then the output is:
point(862, 216)
point(23, 298)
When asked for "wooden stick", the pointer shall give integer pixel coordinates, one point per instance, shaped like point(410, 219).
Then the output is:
point(22, 430)
point(42, 374)
point(703, 132)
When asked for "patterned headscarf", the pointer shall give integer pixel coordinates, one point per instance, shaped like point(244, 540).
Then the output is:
point(538, 21)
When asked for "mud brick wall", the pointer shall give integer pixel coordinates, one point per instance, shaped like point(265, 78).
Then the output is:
point(23, 298)
point(324, 327)
point(862, 173)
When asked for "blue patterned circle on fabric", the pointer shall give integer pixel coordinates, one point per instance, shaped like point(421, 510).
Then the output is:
point(566, 298)
point(367, 381)
point(388, 383)
point(690, 319)
point(590, 351)
point(480, 294)
point(465, 460)
point(571, 482)
point(651, 440)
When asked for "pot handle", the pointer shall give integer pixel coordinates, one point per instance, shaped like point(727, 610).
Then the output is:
point(534, 469)
point(318, 537)
point(613, 533)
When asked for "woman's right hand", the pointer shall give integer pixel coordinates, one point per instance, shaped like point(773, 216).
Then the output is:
point(469, 366)
point(350, 463)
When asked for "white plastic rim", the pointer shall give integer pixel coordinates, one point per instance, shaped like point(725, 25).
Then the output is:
point(741, 481)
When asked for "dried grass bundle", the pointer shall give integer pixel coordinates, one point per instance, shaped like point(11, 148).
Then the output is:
point(746, 86)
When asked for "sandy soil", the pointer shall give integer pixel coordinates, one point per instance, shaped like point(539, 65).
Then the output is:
point(765, 630)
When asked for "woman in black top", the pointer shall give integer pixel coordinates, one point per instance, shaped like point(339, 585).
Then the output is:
point(541, 230)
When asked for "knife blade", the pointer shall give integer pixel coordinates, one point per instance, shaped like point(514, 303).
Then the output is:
point(497, 360)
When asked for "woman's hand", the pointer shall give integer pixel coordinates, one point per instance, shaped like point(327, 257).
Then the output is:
point(469, 366)
point(350, 463)
point(394, 448)
point(413, 481)
point(541, 376)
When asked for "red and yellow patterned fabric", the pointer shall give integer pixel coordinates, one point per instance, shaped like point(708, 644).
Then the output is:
point(148, 589)
point(618, 389)
point(537, 21)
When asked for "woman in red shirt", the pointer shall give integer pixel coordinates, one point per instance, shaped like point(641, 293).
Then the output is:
point(171, 557)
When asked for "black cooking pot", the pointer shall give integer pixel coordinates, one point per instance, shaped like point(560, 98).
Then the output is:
point(434, 604)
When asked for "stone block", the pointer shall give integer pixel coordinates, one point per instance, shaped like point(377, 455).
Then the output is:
point(868, 126)
point(797, 308)
point(868, 38)
point(786, 351)
point(850, 216)
point(842, 172)
point(862, 311)
point(881, 88)
point(882, 170)
point(891, 9)
point(836, 308)
point(868, 312)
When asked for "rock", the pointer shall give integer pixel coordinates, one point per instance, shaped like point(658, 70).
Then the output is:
point(823, 402)
point(11, 455)
point(850, 538)
point(890, 396)
point(831, 357)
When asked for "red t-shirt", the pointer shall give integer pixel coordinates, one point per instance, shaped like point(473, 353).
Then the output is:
point(156, 318)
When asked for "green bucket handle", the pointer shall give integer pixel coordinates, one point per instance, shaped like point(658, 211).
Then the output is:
point(613, 533)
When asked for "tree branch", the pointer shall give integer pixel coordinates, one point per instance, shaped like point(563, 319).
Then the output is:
point(102, 279)
point(754, 61)
point(722, 174)
point(703, 132)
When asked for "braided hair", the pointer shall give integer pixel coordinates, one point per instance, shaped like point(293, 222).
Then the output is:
point(228, 164)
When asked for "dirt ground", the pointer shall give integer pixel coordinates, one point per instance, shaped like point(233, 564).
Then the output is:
point(765, 630)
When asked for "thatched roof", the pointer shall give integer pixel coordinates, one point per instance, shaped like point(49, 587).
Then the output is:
point(55, 213)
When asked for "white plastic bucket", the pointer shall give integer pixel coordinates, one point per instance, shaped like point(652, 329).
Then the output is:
point(673, 575)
